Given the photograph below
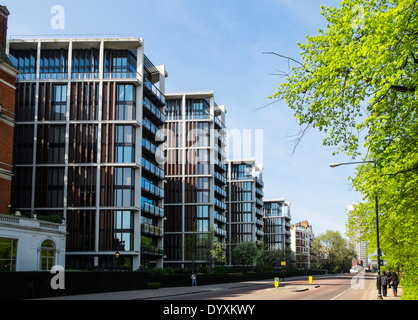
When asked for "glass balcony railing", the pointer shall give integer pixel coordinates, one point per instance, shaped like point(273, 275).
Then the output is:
point(152, 250)
point(121, 75)
point(159, 154)
point(220, 177)
point(220, 204)
point(155, 91)
point(152, 209)
point(148, 166)
point(152, 230)
point(159, 135)
point(53, 76)
point(153, 189)
point(220, 191)
point(259, 181)
point(154, 110)
point(84, 75)
point(26, 76)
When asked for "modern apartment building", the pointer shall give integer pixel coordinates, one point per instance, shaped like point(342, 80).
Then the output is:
point(277, 224)
point(302, 237)
point(86, 147)
point(195, 192)
point(245, 204)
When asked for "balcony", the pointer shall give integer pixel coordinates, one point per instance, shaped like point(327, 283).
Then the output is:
point(259, 192)
point(152, 250)
point(220, 232)
point(220, 204)
point(220, 191)
point(26, 77)
point(152, 189)
point(156, 115)
point(156, 133)
point(127, 76)
point(220, 177)
point(219, 124)
point(259, 202)
point(84, 75)
point(152, 169)
point(152, 209)
point(152, 230)
point(154, 93)
point(53, 76)
point(220, 218)
point(26, 223)
point(259, 182)
point(153, 150)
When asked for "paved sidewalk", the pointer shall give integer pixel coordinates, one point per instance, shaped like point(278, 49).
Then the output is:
point(372, 294)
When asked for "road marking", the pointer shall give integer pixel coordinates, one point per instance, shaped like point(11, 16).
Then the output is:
point(355, 285)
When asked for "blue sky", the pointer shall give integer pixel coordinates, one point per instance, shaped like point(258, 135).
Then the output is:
point(218, 46)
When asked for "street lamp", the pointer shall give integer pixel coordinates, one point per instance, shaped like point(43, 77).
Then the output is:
point(379, 253)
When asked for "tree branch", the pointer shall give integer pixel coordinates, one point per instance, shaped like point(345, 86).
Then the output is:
point(288, 58)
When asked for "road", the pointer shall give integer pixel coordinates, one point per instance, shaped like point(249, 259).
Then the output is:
point(332, 287)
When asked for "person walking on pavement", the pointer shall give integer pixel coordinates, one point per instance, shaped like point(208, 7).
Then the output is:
point(194, 280)
point(389, 276)
point(384, 283)
point(395, 283)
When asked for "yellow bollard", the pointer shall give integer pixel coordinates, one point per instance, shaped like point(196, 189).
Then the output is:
point(276, 282)
point(310, 280)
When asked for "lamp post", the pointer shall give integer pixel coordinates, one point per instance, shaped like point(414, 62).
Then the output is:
point(379, 283)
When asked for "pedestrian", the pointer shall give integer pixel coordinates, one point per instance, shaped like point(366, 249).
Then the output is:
point(384, 283)
point(389, 276)
point(395, 283)
point(194, 280)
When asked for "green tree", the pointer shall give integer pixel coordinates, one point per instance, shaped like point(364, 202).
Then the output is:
point(245, 254)
point(357, 82)
point(331, 250)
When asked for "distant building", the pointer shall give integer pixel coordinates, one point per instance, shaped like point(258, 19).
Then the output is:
point(245, 204)
point(302, 237)
point(360, 247)
point(277, 224)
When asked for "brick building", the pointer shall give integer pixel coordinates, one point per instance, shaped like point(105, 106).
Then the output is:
point(301, 237)
point(7, 109)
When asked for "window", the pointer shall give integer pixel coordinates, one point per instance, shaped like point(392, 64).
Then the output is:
point(123, 222)
point(51, 144)
point(124, 144)
point(59, 102)
point(8, 252)
point(124, 187)
point(125, 104)
point(197, 218)
point(47, 255)
point(54, 61)
point(49, 187)
point(119, 61)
